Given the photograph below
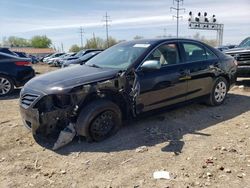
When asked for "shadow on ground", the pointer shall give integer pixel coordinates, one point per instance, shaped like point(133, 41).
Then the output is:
point(166, 127)
point(13, 95)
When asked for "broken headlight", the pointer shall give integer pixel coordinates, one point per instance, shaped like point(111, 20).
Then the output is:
point(62, 101)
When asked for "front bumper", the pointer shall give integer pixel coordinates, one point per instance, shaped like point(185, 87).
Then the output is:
point(30, 118)
point(41, 120)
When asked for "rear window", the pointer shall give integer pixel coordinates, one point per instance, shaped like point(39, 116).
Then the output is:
point(196, 52)
point(210, 54)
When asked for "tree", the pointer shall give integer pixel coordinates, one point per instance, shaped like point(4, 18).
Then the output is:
point(95, 42)
point(40, 42)
point(112, 42)
point(75, 48)
point(13, 41)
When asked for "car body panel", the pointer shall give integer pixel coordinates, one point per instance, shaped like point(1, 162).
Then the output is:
point(19, 74)
point(58, 97)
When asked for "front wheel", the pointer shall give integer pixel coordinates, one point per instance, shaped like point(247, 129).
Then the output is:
point(99, 120)
point(219, 92)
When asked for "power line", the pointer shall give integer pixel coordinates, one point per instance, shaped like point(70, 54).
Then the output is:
point(81, 35)
point(106, 21)
point(177, 9)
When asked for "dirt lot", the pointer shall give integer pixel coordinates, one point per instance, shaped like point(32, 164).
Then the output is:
point(201, 146)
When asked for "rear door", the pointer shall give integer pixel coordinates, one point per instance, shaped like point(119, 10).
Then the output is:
point(164, 86)
point(201, 63)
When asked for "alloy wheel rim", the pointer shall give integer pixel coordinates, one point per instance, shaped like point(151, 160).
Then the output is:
point(220, 91)
point(5, 86)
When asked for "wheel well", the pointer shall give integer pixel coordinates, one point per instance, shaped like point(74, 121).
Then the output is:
point(115, 97)
point(3, 74)
point(227, 79)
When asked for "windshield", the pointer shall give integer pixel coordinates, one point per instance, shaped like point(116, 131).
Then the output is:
point(80, 53)
point(119, 56)
point(245, 43)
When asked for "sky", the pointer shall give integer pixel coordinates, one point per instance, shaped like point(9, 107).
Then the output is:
point(61, 20)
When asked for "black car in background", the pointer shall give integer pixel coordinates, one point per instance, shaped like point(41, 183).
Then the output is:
point(14, 72)
point(21, 54)
point(125, 80)
point(242, 55)
point(7, 51)
point(81, 60)
point(77, 55)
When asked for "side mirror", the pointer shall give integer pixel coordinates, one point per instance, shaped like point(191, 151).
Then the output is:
point(151, 65)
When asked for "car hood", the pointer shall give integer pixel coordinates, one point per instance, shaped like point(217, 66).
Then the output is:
point(69, 58)
point(73, 61)
point(237, 50)
point(63, 80)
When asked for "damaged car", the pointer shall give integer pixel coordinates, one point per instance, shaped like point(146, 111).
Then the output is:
point(124, 81)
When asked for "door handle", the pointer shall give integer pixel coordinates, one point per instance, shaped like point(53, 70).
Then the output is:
point(185, 74)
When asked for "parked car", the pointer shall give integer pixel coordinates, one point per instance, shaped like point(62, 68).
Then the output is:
point(46, 59)
point(7, 51)
point(242, 55)
point(125, 80)
point(78, 55)
point(81, 60)
point(42, 58)
point(21, 54)
point(14, 72)
point(56, 61)
point(222, 48)
point(34, 59)
point(52, 60)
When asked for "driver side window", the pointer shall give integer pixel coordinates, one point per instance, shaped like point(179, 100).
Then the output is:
point(166, 54)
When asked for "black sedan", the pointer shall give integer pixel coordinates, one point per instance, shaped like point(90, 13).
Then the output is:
point(80, 60)
point(125, 80)
point(14, 72)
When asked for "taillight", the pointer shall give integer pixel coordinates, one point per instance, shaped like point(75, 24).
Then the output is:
point(23, 63)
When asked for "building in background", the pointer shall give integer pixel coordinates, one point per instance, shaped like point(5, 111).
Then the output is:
point(37, 52)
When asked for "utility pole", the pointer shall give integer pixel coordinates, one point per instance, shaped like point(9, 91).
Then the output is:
point(95, 40)
point(81, 34)
point(62, 47)
point(106, 21)
point(164, 32)
point(177, 16)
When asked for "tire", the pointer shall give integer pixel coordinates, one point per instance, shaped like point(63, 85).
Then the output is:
point(6, 85)
point(99, 120)
point(219, 92)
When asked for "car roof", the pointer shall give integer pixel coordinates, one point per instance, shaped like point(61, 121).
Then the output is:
point(154, 42)
point(12, 56)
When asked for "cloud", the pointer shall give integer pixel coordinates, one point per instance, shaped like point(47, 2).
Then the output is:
point(128, 17)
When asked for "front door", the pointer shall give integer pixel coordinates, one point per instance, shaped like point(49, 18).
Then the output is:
point(164, 86)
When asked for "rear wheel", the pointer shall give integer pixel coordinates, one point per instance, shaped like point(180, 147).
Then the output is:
point(99, 120)
point(6, 85)
point(219, 92)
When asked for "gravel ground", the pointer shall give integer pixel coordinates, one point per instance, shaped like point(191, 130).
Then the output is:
point(200, 146)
